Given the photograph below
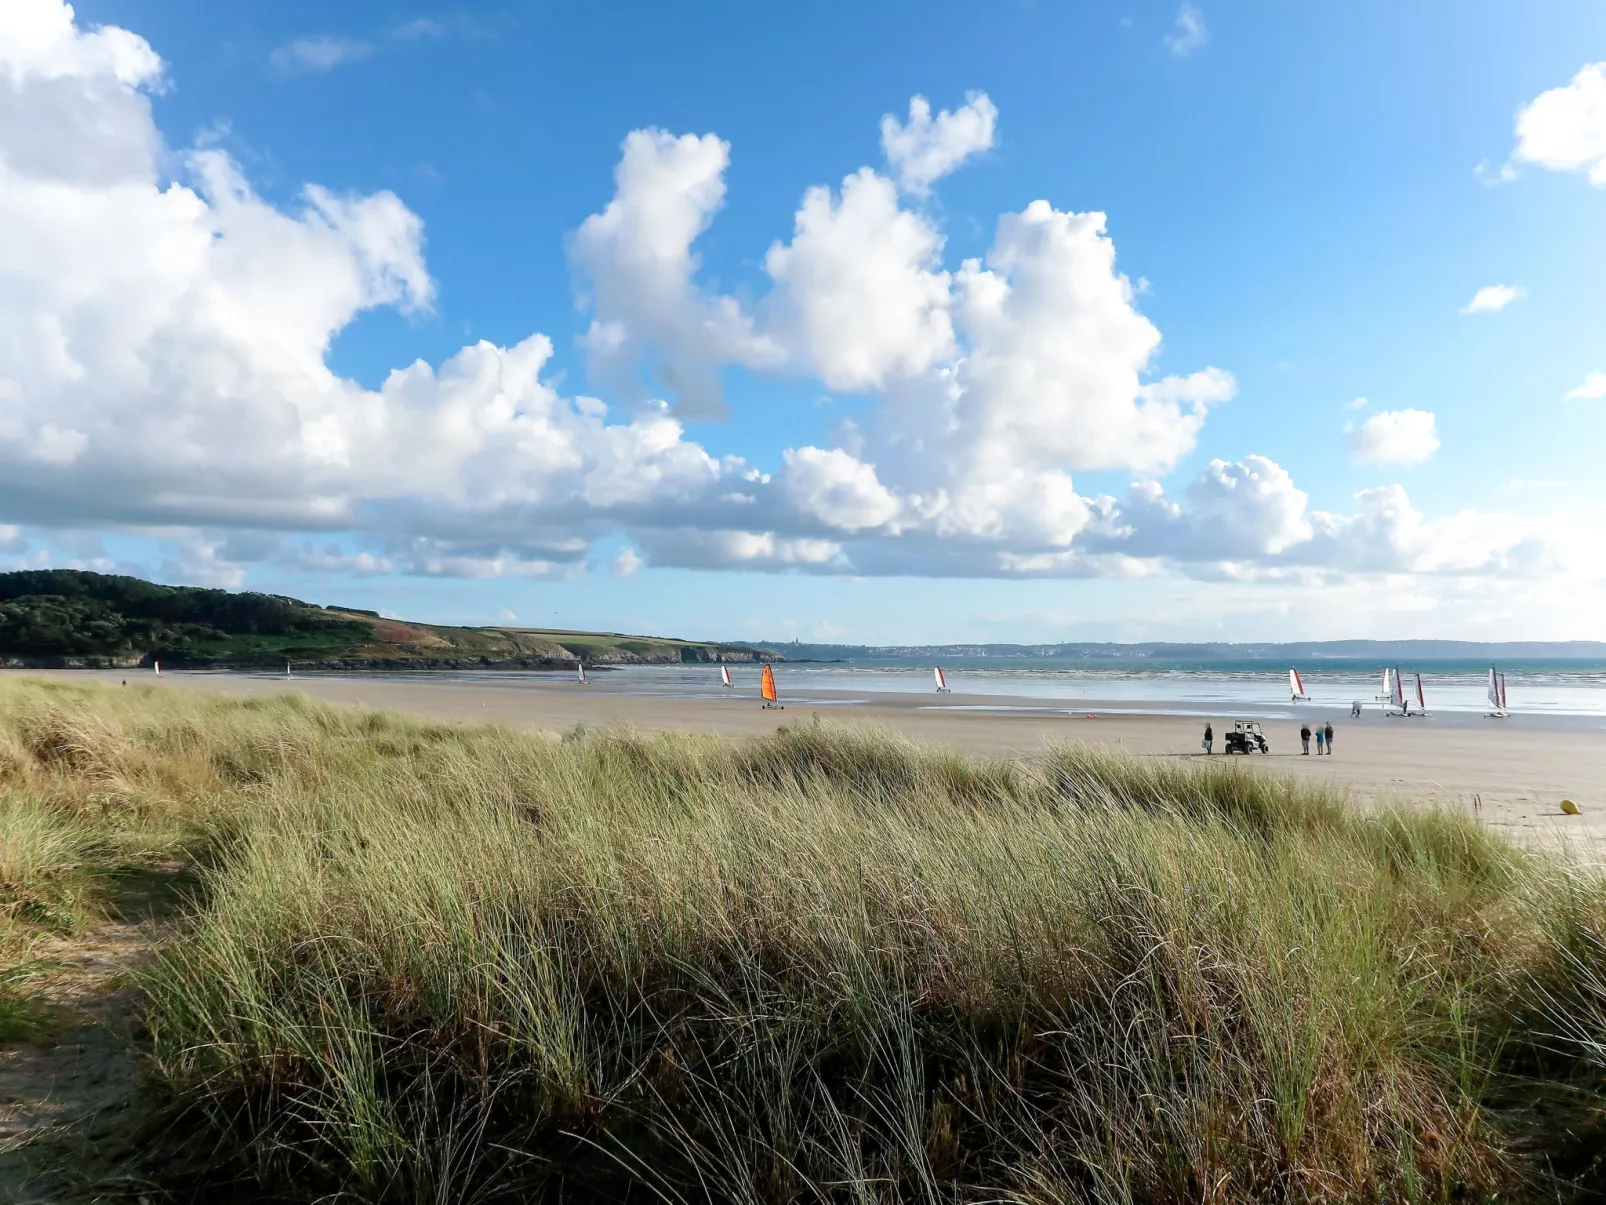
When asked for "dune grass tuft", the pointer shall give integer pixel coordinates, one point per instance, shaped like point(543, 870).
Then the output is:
point(452, 963)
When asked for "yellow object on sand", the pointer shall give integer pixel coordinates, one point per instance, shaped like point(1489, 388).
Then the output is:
point(1568, 806)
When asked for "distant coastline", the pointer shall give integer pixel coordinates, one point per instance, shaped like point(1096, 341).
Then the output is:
point(1206, 653)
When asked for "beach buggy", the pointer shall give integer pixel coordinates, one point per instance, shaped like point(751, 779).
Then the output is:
point(1246, 737)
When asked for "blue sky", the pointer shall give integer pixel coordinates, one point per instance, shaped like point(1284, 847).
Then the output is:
point(1304, 200)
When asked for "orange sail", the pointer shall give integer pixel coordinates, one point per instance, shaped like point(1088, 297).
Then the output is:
point(766, 684)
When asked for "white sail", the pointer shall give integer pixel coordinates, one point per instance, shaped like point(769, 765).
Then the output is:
point(1494, 688)
point(1295, 686)
point(1399, 690)
point(158, 666)
point(1420, 701)
point(584, 681)
point(941, 679)
point(725, 674)
point(1503, 706)
point(1385, 692)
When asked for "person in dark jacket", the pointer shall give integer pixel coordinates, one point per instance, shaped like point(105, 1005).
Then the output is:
point(1209, 738)
point(1329, 735)
point(1304, 740)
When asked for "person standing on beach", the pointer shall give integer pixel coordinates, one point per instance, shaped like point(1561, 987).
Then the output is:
point(1329, 738)
point(1319, 749)
point(1209, 738)
point(1304, 740)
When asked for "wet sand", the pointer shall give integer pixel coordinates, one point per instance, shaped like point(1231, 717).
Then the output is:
point(1514, 773)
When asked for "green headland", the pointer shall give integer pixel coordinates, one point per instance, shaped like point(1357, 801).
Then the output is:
point(68, 618)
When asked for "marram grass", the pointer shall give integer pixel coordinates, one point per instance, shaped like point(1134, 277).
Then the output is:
point(447, 963)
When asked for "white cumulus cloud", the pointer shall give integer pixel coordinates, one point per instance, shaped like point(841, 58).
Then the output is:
point(1592, 388)
point(925, 148)
point(701, 548)
point(1388, 534)
point(1056, 353)
point(1246, 521)
point(1492, 299)
point(1252, 504)
point(637, 254)
point(627, 563)
point(1243, 510)
point(1402, 437)
point(992, 383)
point(841, 492)
point(1564, 129)
point(860, 295)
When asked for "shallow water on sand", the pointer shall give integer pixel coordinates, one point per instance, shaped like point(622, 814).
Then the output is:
point(1552, 689)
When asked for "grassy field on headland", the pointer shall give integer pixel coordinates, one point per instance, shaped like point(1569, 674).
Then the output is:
point(444, 963)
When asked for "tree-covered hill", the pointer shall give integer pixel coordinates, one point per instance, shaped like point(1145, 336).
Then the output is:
point(66, 617)
point(63, 613)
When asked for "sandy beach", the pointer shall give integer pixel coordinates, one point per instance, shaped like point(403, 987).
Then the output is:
point(1513, 773)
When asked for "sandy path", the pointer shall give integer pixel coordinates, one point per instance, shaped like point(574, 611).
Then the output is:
point(1515, 772)
point(72, 1122)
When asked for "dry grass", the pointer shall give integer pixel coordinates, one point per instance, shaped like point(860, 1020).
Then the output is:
point(448, 963)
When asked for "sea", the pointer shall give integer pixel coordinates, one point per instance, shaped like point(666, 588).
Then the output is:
point(1571, 688)
point(1562, 690)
